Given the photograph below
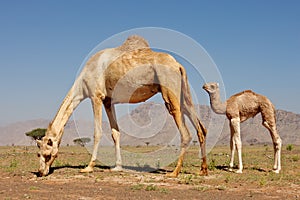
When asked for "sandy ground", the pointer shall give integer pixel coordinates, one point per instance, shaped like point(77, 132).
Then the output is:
point(19, 181)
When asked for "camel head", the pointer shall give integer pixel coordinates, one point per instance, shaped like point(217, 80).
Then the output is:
point(211, 87)
point(47, 154)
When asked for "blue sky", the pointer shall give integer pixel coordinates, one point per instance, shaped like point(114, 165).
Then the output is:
point(255, 45)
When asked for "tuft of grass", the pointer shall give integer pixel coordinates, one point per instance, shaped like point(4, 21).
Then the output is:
point(33, 188)
point(186, 179)
point(151, 188)
point(228, 178)
point(58, 163)
point(295, 158)
point(137, 187)
point(289, 147)
point(99, 178)
point(212, 164)
point(13, 164)
point(201, 188)
point(263, 182)
point(164, 190)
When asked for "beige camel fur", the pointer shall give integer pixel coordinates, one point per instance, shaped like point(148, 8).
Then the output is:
point(240, 107)
point(130, 73)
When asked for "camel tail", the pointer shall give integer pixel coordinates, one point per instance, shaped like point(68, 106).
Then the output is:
point(186, 97)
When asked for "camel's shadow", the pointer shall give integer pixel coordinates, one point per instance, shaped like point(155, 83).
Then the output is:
point(145, 168)
point(226, 168)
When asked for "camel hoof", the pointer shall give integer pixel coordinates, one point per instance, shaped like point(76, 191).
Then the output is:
point(117, 169)
point(172, 175)
point(203, 172)
point(87, 170)
point(239, 172)
point(276, 171)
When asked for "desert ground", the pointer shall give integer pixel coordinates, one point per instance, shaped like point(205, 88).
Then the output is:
point(19, 164)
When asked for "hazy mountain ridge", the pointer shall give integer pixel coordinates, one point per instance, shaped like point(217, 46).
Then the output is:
point(151, 123)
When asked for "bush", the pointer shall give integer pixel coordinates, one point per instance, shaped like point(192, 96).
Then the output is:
point(82, 141)
point(289, 147)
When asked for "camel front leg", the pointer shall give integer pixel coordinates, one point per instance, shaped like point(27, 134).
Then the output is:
point(277, 143)
point(97, 109)
point(111, 114)
point(237, 143)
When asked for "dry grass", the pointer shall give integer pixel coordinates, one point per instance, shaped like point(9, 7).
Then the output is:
point(257, 160)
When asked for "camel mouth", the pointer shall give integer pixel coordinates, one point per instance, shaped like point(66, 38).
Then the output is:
point(42, 173)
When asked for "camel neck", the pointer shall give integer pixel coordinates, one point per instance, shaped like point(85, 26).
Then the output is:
point(217, 105)
point(65, 111)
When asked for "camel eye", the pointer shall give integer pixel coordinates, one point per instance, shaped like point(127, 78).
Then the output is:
point(50, 143)
point(38, 154)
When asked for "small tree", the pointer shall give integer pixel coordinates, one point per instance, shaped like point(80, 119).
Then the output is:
point(82, 141)
point(147, 143)
point(36, 134)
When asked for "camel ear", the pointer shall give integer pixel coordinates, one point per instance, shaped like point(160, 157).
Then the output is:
point(218, 84)
point(39, 143)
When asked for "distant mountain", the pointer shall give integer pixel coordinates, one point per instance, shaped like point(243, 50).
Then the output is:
point(150, 123)
point(14, 134)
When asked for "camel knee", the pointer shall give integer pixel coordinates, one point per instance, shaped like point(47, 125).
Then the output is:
point(185, 140)
point(97, 137)
point(270, 126)
point(235, 121)
point(277, 143)
point(238, 144)
point(201, 137)
point(115, 135)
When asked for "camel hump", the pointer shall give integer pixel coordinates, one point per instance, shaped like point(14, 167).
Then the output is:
point(245, 92)
point(134, 42)
point(248, 91)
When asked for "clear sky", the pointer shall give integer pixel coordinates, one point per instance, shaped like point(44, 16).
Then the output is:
point(255, 44)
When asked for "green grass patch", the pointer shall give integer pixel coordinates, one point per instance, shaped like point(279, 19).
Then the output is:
point(151, 188)
point(137, 187)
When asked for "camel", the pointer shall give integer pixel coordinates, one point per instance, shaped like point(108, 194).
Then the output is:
point(130, 73)
point(240, 107)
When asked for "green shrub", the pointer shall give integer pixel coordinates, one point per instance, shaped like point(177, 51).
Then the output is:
point(289, 147)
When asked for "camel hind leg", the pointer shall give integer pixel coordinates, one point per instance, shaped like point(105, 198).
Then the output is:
point(201, 133)
point(232, 147)
point(173, 106)
point(111, 114)
point(269, 121)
